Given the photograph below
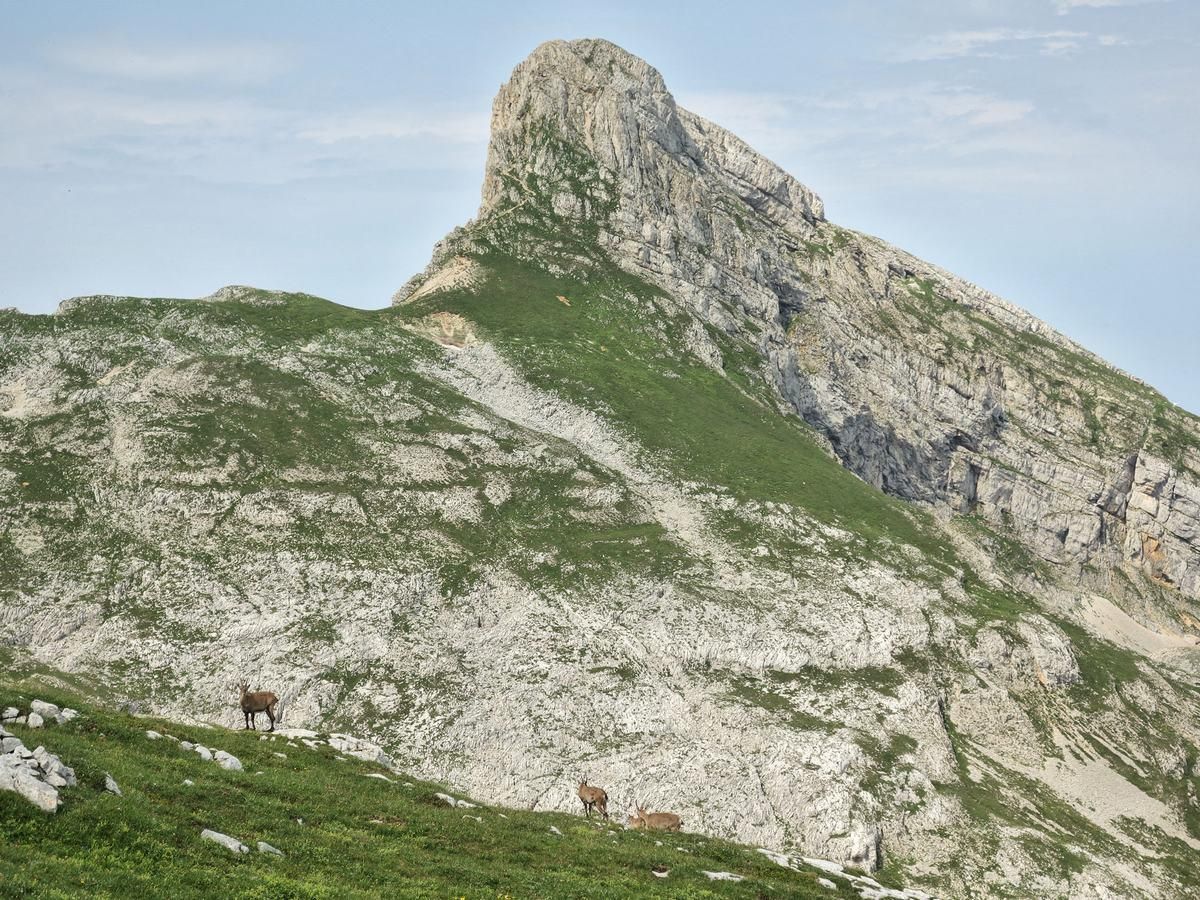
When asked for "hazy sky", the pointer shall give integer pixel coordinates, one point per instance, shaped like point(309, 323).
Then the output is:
point(1048, 150)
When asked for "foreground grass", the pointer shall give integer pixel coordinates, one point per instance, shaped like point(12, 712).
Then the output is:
point(344, 834)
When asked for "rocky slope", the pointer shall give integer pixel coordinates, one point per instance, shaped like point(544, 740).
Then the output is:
point(576, 505)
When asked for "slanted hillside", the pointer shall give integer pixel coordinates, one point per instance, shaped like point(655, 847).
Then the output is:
point(586, 501)
point(341, 827)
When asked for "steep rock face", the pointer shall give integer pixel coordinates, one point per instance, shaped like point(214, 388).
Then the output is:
point(925, 385)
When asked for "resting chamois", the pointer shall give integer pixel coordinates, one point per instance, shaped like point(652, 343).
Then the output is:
point(593, 796)
point(255, 702)
point(658, 821)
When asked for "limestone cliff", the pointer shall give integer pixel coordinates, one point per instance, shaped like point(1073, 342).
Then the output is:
point(924, 385)
point(555, 514)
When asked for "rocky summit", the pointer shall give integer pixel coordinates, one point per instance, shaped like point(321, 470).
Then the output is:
point(656, 477)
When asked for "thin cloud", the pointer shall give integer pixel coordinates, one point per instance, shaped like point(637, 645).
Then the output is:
point(999, 42)
point(369, 125)
point(1062, 7)
point(230, 63)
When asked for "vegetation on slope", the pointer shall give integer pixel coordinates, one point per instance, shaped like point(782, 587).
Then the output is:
point(342, 834)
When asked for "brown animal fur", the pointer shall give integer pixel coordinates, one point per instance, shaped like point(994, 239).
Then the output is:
point(592, 797)
point(656, 821)
point(254, 702)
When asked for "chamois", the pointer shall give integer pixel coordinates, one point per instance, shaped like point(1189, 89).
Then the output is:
point(592, 797)
point(255, 702)
point(658, 821)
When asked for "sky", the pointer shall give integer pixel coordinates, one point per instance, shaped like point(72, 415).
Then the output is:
point(1048, 150)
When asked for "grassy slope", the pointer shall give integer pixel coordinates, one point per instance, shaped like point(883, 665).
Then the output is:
point(360, 837)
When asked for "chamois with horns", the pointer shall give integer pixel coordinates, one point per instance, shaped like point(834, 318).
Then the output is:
point(592, 797)
point(254, 702)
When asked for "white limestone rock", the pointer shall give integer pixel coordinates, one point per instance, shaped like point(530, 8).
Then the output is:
point(232, 844)
point(227, 761)
point(44, 709)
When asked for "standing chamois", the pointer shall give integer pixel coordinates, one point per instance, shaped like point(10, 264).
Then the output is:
point(593, 796)
point(255, 702)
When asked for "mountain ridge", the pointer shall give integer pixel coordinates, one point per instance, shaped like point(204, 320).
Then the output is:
point(603, 492)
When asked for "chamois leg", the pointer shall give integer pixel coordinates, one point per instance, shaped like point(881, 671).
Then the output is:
point(271, 716)
point(246, 716)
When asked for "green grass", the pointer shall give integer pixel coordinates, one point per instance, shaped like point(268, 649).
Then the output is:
point(603, 352)
point(360, 837)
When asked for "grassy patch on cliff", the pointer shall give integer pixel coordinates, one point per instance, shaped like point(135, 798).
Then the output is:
point(343, 834)
point(613, 349)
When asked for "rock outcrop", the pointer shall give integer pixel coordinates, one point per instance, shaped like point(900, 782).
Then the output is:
point(37, 775)
point(924, 385)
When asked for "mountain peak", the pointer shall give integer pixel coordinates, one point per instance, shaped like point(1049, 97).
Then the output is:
point(597, 126)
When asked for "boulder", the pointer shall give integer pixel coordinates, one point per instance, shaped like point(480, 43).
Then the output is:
point(264, 847)
point(44, 709)
point(16, 775)
point(34, 720)
point(111, 785)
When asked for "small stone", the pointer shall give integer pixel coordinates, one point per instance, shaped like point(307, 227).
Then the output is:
point(203, 752)
point(722, 876)
point(55, 780)
point(230, 843)
point(264, 847)
point(554, 830)
point(111, 785)
point(67, 715)
point(153, 735)
point(187, 745)
point(188, 782)
point(228, 761)
point(9, 744)
point(34, 720)
point(826, 883)
point(10, 712)
point(380, 777)
point(280, 755)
